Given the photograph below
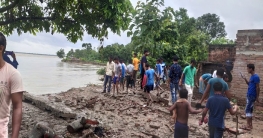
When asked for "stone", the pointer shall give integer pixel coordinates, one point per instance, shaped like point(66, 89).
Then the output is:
point(58, 99)
point(154, 125)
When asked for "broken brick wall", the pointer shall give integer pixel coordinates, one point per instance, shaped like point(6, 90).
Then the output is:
point(249, 49)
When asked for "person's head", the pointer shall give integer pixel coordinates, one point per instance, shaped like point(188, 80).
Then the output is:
point(146, 52)
point(147, 66)
point(161, 60)
point(175, 59)
point(250, 68)
point(2, 43)
point(116, 60)
point(130, 61)
point(158, 61)
point(110, 58)
point(218, 87)
point(225, 77)
point(193, 62)
point(183, 93)
point(134, 54)
point(121, 61)
point(220, 72)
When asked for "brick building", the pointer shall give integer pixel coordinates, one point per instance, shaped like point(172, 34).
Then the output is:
point(248, 49)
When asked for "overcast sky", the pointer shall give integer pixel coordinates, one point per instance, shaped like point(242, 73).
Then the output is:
point(236, 14)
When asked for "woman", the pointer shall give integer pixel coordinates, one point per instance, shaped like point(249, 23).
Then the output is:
point(203, 82)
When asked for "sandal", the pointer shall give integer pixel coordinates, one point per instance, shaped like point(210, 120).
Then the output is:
point(245, 127)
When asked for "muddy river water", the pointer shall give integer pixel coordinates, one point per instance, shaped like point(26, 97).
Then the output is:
point(47, 74)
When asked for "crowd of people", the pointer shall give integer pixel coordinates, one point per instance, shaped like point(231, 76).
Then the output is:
point(213, 86)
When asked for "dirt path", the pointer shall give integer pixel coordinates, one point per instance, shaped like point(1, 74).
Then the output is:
point(123, 116)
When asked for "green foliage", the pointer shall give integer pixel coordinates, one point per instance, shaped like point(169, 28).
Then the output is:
point(116, 50)
point(101, 71)
point(69, 17)
point(222, 40)
point(210, 24)
point(61, 53)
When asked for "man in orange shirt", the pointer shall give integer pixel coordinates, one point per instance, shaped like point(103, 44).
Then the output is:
point(135, 63)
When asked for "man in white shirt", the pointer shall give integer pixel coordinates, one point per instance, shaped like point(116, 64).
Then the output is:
point(129, 76)
point(11, 92)
point(108, 75)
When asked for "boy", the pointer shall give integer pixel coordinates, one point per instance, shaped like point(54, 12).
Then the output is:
point(203, 81)
point(181, 109)
point(117, 75)
point(217, 111)
point(129, 75)
point(149, 82)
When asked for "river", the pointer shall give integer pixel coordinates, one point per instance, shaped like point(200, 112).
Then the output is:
point(47, 74)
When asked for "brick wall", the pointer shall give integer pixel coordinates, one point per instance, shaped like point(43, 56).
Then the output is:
point(249, 49)
point(221, 53)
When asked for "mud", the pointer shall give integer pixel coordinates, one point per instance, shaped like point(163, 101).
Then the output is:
point(121, 116)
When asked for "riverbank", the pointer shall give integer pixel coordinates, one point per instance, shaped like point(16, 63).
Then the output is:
point(74, 60)
point(121, 116)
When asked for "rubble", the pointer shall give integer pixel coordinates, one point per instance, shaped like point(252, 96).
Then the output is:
point(99, 115)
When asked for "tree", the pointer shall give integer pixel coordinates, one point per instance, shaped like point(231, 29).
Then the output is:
point(69, 17)
point(61, 53)
point(222, 40)
point(87, 46)
point(210, 24)
point(70, 54)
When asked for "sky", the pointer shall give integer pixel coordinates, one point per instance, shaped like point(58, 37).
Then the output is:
point(236, 14)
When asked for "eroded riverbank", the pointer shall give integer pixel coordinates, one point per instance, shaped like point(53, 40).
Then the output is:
point(122, 116)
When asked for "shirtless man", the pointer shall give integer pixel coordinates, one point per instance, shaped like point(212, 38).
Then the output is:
point(181, 110)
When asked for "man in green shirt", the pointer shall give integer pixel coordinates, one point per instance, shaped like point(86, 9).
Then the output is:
point(189, 75)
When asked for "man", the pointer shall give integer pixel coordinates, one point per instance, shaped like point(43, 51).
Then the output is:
point(143, 63)
point(217, 111)
point(174, 77)
point(209, 91)
point(189, 74)
point(135, 63)
point(158, 72)
point(108, 75)
point(163, 75)
point(11, 91)
point(252, 94)
point(203, 81)
point(123, 73)
point(129, 76)
point(117, 75)
point(14, 63)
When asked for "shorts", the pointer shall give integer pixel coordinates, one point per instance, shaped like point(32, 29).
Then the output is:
point(148, 88)
point(121, 79)
point(115, 80)
point(129, 81)
point(180, 130)
point(250, 105)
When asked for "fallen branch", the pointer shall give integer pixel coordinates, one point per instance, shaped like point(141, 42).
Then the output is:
point(169, 128)
point(127, 108)
point(152, 135)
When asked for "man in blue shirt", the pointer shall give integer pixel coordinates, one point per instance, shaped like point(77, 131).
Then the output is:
point(159, 73)
point(209, 91)
point(252, 94)
point(14, 63)
point(174, 78)
point(217, 111)
point(203, 81)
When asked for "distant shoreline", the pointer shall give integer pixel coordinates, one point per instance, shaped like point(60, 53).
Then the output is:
point(35, 54)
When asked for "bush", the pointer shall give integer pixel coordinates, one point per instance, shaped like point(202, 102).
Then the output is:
point(101, 71)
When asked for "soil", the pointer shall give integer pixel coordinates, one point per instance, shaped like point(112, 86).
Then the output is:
point(123, 116)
